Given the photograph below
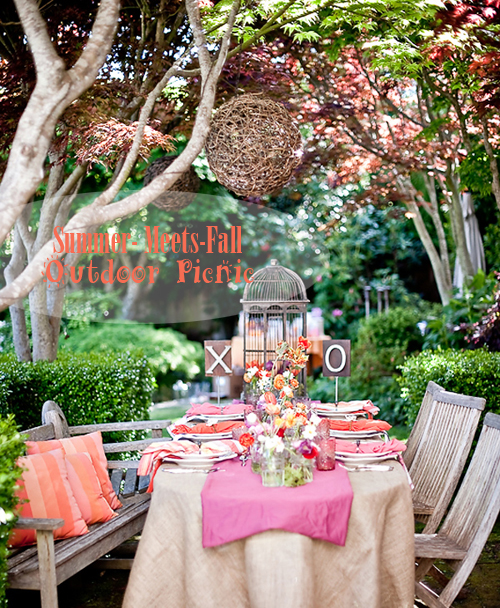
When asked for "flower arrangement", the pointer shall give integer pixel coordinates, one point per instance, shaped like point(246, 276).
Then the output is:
point(281, 424)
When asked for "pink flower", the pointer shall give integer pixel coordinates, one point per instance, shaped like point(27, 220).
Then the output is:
point(336, 312)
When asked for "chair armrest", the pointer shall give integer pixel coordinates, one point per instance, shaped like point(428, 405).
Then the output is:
point(31, 523)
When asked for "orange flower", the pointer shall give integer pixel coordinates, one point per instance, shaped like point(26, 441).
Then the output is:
point(300, 419)
point(286, 393)
point(304, 343)
point(279, 382)
point(270, 398)
point(246, 440)
point(272, 408)
point(294, 383)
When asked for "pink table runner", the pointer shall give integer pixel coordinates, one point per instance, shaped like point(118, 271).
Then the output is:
point(236, 505)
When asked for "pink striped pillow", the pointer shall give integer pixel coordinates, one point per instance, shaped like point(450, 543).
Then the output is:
point(87, 489)
point(92, 445)
point(45, 485)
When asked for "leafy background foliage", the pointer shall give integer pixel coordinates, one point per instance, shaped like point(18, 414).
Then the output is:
point(171, 356)
point(11, 447)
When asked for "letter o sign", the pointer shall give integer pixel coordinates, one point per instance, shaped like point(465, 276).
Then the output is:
point(336, 358)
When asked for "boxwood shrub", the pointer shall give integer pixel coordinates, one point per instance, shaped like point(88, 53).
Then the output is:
point(471, 372)
point(11, 447)
point(89, 387)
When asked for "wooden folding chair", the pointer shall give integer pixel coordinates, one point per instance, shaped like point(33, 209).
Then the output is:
point(468, 523)
point(437, 450)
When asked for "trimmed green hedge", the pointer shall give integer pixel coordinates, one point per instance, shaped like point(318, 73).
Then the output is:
point(471, 372)
point(90, 388)
point(11, 447)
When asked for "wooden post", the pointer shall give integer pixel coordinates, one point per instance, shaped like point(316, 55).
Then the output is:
point(47, 568)
point(367, 290)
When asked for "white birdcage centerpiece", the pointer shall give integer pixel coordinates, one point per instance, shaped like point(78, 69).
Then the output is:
point(274, 310)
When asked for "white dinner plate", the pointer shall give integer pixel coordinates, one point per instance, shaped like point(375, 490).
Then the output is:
point(199, 464)
point(357, 434)
point(365, 458)
point(201, 456)
point(214, 417)
point(200, 437)
point(332, 408)
point(341, 415)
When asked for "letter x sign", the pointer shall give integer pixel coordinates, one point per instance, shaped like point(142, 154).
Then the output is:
point(336, 358)
point(218, 358)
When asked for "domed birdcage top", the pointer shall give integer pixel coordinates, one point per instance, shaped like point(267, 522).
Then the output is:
point(275, 283)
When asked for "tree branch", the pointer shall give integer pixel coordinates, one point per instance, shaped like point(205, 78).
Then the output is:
point(47, 61)
point(85, 70)
point(53, 93)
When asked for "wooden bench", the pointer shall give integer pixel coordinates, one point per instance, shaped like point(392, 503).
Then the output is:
point(49, 563)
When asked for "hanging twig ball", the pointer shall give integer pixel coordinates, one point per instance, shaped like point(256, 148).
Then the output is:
point(253, 146)
point(181, 193)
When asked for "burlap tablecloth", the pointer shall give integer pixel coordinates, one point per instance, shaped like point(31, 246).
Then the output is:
point(276, 569)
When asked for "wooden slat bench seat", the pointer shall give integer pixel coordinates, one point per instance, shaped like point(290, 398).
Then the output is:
point(49, 563)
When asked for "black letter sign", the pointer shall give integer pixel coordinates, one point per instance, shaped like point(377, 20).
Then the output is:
point(336, 357)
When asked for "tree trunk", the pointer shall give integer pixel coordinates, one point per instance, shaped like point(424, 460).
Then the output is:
point(495, 184)
point(433, 211)
point(441, 275)
point(44, 340)
point(136, 292)
point(17, 315)
point(458, 226)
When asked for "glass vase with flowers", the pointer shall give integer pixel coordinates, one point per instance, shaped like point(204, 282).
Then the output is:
point(284, 427)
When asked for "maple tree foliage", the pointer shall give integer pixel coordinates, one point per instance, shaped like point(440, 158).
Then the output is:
point(479, 20)
point(106, 143)
point(141, 51)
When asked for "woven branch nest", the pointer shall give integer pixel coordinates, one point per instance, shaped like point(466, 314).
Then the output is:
point(181, 193)
point(253, 146)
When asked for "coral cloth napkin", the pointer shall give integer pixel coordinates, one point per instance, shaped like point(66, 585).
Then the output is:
point(203, 429)
point(236, 505)
point(370, 447)
point(359, 425)
point(213, 410)
point(153, 455)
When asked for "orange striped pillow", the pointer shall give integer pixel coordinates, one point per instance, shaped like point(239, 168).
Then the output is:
point(92, 444)
point(87, 489)
point(44, 483)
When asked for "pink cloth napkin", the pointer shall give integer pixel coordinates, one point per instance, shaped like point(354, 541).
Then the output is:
point(212, 410)
point(236, 505)
point(364, 405)
point(370, 447)
point(207, 429)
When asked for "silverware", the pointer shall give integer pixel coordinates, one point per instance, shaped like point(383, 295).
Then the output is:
point(368, 467)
